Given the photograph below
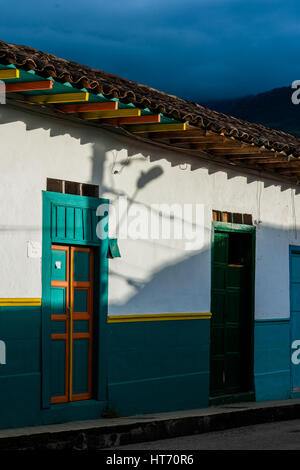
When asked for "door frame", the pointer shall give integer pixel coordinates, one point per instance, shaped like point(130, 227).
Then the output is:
point(292, 249)
point(247, 229)
point(100, 294)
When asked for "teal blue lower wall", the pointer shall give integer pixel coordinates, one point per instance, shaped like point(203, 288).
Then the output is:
point(151, 367)
point(20, 377)
point(272, 360)
point(158, 366)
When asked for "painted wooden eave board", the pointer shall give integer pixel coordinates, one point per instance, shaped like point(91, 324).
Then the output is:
point(58, 98)
point(9, 74)
point(21, 87)
point(113, 114)
point(58, 88)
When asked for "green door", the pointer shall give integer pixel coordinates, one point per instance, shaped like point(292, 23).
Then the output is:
point(231, 314)
point(295, 315)
point(71, 323)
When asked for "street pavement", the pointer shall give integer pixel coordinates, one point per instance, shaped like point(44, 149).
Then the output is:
point(108, 433)
point(284, 435)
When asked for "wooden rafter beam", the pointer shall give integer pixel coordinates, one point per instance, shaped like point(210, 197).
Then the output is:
point(219, 147)
point(9, 73)
point(145, 128)
point(28, 86)
point(250, 156)
point(148, 119)
point(179, 134)
point(198, 139)
point(118, 113)
point(282, 163)
point(59, 98)
point(268, 162)
point(196, 146)
point(289, 171)
point(204, 144)
point(222, 162)
point(88, 107)
point(236, 150)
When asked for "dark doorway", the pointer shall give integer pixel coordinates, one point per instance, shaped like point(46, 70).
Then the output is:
point(232, 319)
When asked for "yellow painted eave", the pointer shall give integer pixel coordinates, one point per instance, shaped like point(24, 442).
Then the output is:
point(9, 73)
point(59, 98)
point(118, 113)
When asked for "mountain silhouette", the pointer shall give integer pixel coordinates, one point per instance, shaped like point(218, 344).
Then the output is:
point(272, 108)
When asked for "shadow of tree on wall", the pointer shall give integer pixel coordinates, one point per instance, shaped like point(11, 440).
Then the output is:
point(110, 156)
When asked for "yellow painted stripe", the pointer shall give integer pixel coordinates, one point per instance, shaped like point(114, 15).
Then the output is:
point(9, 73)
point(59, 98)
point(158, 317)
point(141, 128)
point(111, 114)
point(7, 302)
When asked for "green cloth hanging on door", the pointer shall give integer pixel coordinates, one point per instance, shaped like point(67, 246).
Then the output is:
point(113, 249)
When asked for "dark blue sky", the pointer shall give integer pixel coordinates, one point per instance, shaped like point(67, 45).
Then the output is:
point(196, 49)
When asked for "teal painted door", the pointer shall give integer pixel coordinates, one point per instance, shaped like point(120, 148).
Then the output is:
point(231, 315)
point(295, 317)
point(71, 323)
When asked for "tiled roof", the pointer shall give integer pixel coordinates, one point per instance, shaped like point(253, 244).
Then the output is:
point(112, 86)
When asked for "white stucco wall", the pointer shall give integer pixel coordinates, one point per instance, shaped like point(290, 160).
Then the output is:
point(153, 276)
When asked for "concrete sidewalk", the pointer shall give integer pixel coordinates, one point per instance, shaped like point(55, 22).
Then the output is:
point(105, 433)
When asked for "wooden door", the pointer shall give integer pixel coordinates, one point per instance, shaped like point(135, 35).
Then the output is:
point(71, 323)
point(231, 315)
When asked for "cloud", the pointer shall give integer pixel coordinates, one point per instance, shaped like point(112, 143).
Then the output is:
point(197, 49)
